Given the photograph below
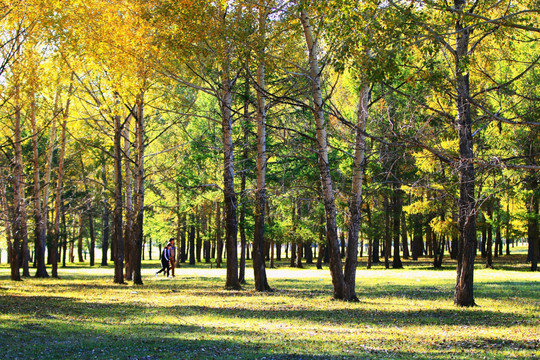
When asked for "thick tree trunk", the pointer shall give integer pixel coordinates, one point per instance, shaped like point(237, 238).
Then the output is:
point(338, 280)
point(464, 294)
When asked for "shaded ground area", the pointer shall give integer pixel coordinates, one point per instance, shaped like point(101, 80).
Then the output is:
point(402, 314)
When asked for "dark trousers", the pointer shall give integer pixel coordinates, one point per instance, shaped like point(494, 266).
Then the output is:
point(164, 266)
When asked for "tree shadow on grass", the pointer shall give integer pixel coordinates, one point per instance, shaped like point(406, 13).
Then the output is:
point(52, 327)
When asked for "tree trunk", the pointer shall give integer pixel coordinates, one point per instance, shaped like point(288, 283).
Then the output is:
point(404, 241)
point(192, 240)
point(57, 204)
point(64, 236)
point(198, 243)
point(370, 238)
point(183, 251)
point(128, 200)
point(387, 236)
point(229, 195)
point(13, 243)
point(80, 238)
point(89, 210)
point(219, 240)
point(105, 216)
point(483, 239)
point(338, 280)
point(206, 216)
point(396, 200)
point(498, 238)
point(136, 254)
point(507, 230)
point(259, 269)
point(118, 241)
point(355, 201)
point(40, 222)
point(489, 240)
point(464, 294)
point(245, 156)
point(532, 225)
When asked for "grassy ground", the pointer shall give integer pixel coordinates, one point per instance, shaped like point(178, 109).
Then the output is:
point(402, 314)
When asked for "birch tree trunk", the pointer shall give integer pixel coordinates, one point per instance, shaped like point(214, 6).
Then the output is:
point(259, 266)
point(355, 202)
point(340, 287)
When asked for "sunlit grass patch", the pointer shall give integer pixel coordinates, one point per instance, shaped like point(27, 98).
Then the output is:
point(402, 314)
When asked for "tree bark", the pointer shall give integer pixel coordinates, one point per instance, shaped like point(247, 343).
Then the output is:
point(229, 195)
point(338, 280)
point(396, 260)
point(136, 254)
point(118, 204)
point(532, 225)
point(57, 204)
point(128, 200)
point(404, 241)
point(105, 216)
point(219, 240)
point(464, 292)
point(355, 201)
point(40, 222)
point(387, 236)
point(12, 242)
point(489, 232)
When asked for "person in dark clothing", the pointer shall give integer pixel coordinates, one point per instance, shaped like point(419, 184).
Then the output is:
point(165, 258)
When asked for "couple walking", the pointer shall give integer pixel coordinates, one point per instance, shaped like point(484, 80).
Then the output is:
point(167, 258)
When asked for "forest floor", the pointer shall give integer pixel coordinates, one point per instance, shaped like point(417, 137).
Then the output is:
point(402, 314)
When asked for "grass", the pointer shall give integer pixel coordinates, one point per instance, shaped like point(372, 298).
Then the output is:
point(402, 314)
